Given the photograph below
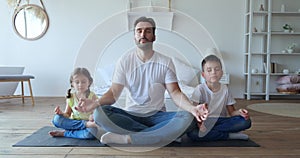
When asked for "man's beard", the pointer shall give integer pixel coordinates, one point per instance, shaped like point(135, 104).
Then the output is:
point(144, 46)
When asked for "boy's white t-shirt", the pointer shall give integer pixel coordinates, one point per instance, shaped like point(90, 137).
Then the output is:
point(217, 101)
point(145, 81)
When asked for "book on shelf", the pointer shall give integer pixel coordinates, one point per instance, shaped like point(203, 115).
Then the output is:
point(274, 67)
point(265, 67)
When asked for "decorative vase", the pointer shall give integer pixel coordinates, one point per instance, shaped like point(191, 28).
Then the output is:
point(290, 50)
point(150, 7)
point(285, 71)
point(254, 71)
point(129, 5)
point(282, 9)
point(261, 7)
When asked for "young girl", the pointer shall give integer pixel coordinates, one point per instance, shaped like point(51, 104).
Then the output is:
point(224, 121)
point(75, 123)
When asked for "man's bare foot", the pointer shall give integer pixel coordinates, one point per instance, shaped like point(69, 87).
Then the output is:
point(90, 124)
point(57, 133)
point(115, 138)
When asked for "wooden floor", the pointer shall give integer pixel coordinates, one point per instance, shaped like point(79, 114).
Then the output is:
point(278, 136)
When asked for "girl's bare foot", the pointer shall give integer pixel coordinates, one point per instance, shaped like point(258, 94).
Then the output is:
point(57, 133)
point(90, 124)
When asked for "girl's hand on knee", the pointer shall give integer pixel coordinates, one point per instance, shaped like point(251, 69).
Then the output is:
point(57, 110)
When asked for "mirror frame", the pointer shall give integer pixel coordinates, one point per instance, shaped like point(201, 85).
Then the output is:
point(20, 9)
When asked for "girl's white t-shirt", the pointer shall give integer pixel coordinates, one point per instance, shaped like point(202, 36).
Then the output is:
point(145, 81)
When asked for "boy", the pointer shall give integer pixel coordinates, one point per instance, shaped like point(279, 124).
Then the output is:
point(220, 102)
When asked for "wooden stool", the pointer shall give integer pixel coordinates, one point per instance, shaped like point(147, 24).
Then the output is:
point(18, 78)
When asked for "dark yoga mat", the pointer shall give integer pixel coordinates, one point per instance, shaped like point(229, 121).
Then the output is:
point(41, 138)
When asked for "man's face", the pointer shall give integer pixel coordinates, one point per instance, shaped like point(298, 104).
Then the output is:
point(144, 35)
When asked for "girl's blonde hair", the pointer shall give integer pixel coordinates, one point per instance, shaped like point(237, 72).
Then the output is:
point(80, 71)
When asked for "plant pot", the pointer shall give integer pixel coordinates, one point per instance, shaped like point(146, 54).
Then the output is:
point(287, 31)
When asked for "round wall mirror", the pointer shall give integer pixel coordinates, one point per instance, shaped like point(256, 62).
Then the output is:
point(30, 21)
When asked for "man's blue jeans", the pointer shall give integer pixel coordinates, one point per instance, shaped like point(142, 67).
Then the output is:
point(155, 128)
point(219, 128)
point(73, 128)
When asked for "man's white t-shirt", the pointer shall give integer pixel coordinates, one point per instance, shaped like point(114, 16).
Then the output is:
point(217, 101)
point(145, 81)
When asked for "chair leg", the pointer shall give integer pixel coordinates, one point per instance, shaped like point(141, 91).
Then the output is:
point(22, 88)
point(31, 94)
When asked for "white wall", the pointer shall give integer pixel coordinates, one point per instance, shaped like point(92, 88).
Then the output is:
point(225, 22)
point(52, 57)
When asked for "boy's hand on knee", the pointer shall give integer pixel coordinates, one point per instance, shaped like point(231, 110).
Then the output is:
point(244, 113)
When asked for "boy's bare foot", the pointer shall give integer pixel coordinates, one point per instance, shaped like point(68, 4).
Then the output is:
point(238, 135)
point(202, 127)
point(57, 133)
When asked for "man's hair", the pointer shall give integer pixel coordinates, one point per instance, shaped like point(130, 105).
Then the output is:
point(145, 19)
point(210, 58)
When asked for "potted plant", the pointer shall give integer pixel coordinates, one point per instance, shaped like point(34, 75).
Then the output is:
point(290, 48)
point(287, 28)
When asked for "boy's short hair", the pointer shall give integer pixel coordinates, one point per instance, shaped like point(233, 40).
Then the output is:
point(210, 58)
point(145, 19)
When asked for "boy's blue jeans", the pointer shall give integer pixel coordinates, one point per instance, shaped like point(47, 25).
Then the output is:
point(155, 128)
point(219, 128)
point(73, 128)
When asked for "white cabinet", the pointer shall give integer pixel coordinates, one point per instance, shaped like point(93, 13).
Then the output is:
point(265, 53)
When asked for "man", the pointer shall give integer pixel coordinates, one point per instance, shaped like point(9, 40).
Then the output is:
point(146, 74)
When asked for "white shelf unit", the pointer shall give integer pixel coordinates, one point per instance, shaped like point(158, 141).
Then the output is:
point(264, 41)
